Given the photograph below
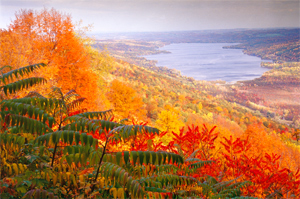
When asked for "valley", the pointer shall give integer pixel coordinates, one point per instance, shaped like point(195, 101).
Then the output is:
point(277, 89)
point(85, 118)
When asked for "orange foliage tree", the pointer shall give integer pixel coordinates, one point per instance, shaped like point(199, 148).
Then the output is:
point(48, 36)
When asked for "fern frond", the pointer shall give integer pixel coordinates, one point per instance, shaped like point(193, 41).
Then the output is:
point(166, 168)
point(21, 84)
point(26, 109)
point(56, 93)
point(174, 180)
point(242, 197)
point(149, 182)
point(225, 184)
point(79, 123)
point(225, 189)
point(197, 165)
point(81, 154)
point(66, 137)
point(34, 94)
point(70, 94)
point(193, 154)
point(97, 115)
point(48, 104)
point(192, 159)
point(126, 131)
point(13, 130)
point(159, 158)
point(28, 124)
point(113, 171)
point(3, 67)
point(233, 190)
point(211, 180)
point(9, 139)
point(39, 193)
point(73, 104)
point(179, 150)
point(20, 72)
point(76, 158)
point(70, 150)
point(42, 103)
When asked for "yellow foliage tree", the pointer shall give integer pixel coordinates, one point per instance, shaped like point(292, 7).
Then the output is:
point(200, 106)
point(169, 120)
point(126, 102)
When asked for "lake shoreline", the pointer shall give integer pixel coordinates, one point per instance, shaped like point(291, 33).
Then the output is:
point(220, 58)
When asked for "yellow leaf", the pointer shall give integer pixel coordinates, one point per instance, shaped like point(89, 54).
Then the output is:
point(54, 178)
point(81, 180)
point(114, 192)
point(120, 193)
point(74, 180)
point(9, 169)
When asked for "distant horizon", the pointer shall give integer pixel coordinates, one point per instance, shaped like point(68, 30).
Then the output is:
point(204, 30)
point(114, 16)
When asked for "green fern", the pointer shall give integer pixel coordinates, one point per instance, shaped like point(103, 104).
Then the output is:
point(10, 106)
point(39, 193)
point(97, 115)
point(10, 139)
point(20, 72)
point(124, 132)
point(13, 87)
point(225, 189)
point(66, 136)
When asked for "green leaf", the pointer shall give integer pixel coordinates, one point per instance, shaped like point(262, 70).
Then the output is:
point(97, 115)
point(70, 150)
point(126, 156)
point(65, 135)
point(90, 140)
point(164, 157)
point(147, 157)
point(71, 136)
point(160, 156)
point(174, 158)
point(51, 120)
point(199, 164)
point(77, 138)
point(141, 156)
point(69, 160)
point(153, 155)
point(134, 156)
point(84, 138)
point(20, 71)
point(21, 189)
point(169, 157)
point(54, 138)
point(118, 157)
point(21, 84)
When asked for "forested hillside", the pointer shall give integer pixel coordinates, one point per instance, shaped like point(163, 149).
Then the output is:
point(81, 123)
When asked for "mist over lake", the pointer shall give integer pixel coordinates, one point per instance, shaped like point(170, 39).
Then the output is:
point(210, 61)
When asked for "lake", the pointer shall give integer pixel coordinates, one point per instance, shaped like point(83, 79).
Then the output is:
point(209, 61)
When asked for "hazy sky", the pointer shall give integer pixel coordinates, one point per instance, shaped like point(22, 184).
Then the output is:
point(166, 15)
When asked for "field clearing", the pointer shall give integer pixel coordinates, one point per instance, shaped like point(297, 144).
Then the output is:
point(290, 96)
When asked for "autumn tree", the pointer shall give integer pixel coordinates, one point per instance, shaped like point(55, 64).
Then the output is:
point(13, 49)
point(126, 102)
point(169, 120)
point(48, 36)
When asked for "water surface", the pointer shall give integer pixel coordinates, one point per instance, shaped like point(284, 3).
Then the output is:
point(209, 61)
